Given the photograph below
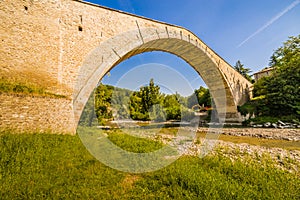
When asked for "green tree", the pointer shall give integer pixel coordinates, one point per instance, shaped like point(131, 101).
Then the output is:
point(136, 107)
point(172, 107)
point(192, 100)
point(287, 54)
point(283, 88)
point(260, 87)
point(202, 97)
point(150, 95)
point(88, 116)
point(142, 102)
point(120, 103)
point(239, 67)
point(281, 91)
point(103, 96)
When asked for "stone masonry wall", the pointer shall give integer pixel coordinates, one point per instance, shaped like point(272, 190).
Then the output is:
point(36, 114)
point(30, 50)
point(45, 42)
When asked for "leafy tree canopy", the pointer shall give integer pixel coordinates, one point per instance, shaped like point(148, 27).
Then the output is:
point(202, 97)
point(146, 104)
point(281, 91)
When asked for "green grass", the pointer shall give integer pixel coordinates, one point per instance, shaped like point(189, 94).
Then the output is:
point(52, 166)
point(45, 166)
point(217, 178)
point(133, 144)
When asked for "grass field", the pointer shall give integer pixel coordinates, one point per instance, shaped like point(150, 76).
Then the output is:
point(45, 166)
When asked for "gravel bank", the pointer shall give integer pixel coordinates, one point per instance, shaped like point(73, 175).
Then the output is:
point(268, 133)
point(288, 160)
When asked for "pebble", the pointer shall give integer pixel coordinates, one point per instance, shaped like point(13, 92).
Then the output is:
point(281, 157)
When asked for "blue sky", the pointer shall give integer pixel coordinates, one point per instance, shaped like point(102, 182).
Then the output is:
point(248, 31)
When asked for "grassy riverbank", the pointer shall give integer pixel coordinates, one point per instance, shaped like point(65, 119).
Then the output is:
point(39, 166)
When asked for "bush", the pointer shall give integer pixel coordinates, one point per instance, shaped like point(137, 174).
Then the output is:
point(264, 119)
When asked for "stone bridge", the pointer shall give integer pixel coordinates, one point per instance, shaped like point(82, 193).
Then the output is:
point(67, 46)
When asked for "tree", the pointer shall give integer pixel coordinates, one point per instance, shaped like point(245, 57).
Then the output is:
point(260, 87)
point(88, 116)
point(202, 97)
point(142, 102)
point(239, 67)
point(103, 96)
point(281, 91)
point(289, 52)
point(136, 107)
point(284, 86)
point(172, 107)
point(120, 103)
point(150, 95)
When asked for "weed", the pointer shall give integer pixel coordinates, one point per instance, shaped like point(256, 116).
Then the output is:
point(12, 87)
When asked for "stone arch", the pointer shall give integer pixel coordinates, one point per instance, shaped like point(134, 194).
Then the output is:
point(184, 45)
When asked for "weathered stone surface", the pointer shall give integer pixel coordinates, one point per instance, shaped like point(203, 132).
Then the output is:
point(67, 46)
point(36, 114)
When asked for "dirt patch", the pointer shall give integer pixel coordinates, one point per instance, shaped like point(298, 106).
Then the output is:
point(129, 181)
point(267, 133)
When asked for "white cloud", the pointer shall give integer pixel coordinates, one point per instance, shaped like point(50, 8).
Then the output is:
point(270, 22)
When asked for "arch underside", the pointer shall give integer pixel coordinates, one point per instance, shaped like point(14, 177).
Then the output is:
point(121, 48)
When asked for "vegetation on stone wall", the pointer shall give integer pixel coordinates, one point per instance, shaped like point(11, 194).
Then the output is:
point(16, 87)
